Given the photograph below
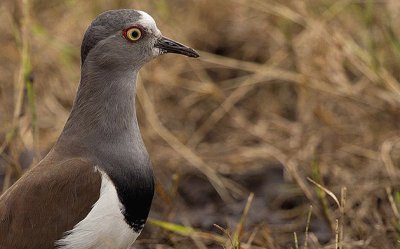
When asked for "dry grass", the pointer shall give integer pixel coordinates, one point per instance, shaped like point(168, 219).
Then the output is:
point(283, 90)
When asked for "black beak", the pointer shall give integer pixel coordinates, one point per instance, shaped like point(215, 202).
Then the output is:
point(167, 45)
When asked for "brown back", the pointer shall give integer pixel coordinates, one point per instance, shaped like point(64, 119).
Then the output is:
point(47, 201)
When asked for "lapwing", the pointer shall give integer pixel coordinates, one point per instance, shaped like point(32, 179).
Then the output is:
point(95, 187)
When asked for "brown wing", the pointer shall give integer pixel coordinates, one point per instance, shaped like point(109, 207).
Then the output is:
point(47, 201)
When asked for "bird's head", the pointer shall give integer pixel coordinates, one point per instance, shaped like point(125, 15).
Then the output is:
point(127, 38)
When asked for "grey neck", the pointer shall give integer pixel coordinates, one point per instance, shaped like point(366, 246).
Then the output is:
point(104, 113)
point(103, 128)
point(105, 103)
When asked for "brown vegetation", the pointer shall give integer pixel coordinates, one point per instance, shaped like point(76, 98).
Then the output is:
point(295, 101)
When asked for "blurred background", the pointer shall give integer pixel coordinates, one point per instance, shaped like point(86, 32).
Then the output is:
point(285, 133)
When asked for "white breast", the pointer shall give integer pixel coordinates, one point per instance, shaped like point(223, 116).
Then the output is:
point(104, 227)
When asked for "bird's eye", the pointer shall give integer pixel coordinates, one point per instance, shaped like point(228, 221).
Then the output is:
point(133, 34)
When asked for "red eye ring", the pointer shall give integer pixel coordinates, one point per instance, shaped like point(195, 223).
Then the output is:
point(133, 33)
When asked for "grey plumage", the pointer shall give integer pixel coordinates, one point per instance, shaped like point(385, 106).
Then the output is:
point(105, 25)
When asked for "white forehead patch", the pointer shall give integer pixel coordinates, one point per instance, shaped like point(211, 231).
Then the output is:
point(148, 22)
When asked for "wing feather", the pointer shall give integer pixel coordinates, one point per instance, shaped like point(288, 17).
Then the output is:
point(50, 199)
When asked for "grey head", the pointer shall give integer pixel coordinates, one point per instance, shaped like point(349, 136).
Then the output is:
point(127, 37)
point(115, 46)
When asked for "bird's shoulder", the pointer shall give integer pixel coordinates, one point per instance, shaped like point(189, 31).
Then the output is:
point(48, 200)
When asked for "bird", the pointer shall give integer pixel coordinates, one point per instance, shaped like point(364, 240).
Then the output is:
point(95, 187)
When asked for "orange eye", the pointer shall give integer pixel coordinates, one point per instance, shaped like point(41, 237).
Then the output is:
point(133, 34)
